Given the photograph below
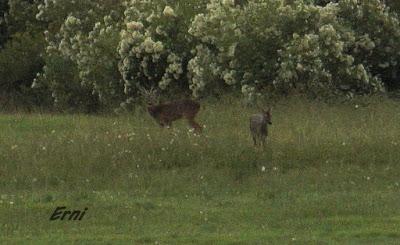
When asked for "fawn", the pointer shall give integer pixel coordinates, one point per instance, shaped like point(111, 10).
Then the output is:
point(259, 127)
point(166, 113)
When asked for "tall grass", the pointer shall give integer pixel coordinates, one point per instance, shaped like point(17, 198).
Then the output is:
point(56, 150)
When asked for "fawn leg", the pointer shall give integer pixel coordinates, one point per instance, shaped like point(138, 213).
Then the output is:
point(263, 141)
point(254, 140)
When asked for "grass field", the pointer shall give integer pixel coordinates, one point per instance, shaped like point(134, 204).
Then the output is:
point(330, 174)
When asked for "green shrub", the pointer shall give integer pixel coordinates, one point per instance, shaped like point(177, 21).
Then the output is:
point(20, 60)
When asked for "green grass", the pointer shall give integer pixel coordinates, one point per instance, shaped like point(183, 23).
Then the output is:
point(331, 176)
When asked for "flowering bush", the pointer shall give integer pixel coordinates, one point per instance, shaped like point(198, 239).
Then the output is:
point(321, 60)
point(101, 52)
point(81, 62)
point(298, 46)
point(155, 45)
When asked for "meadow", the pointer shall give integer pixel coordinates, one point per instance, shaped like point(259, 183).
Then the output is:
point(329, 174)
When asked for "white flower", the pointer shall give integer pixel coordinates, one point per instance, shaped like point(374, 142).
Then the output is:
point(169, 12)
point(228, 2)
point(134, 26)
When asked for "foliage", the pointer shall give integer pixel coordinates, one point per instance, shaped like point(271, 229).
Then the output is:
point(108, 49)
point(21, 45)
point(82, 39)
point(3, 26)
point(20, 60)
point(155, 44)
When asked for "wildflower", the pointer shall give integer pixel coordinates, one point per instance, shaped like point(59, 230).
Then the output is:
point(263, 168)
point(14, 147)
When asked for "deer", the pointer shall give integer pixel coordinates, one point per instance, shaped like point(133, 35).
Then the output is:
point(259, 126)
point(166, 113)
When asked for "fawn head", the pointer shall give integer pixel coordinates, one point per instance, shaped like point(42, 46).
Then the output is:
point(267, 115)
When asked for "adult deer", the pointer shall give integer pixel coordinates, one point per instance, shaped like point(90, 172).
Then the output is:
point(166, 113)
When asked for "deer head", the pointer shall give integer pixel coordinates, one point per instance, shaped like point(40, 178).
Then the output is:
point(150, 96)
point(267, 115)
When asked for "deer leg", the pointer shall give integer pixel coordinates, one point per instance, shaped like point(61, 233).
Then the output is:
point(194, 125)
point(164, 124)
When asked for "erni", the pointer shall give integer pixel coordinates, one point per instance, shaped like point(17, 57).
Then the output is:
point(61, 213)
